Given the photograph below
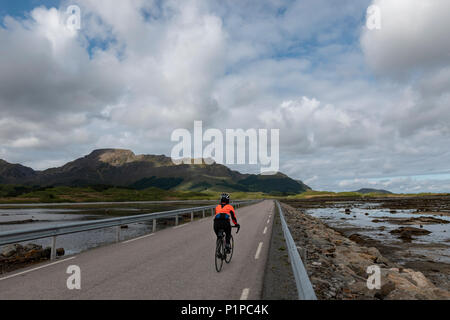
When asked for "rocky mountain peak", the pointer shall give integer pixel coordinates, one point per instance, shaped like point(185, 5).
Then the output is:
point(114, 157)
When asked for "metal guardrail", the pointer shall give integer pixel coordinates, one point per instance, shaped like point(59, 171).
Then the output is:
point(304, 286)
point(16, 236)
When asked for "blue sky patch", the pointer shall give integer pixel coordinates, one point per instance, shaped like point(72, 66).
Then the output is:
point(19, 9)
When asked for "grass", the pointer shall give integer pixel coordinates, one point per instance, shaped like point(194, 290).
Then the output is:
point(25, 194)
point(15, 194)
point(92, 194)
point(316, 194)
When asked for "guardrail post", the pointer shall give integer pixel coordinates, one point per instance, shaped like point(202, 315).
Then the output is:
point(118, 234)
point(203, 215)
point(176, 220)
point(212, 211)
point(192, 216)
point(154, 225)
point(302, 252)
point(53, 251)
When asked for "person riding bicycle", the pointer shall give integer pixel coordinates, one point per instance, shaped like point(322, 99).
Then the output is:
point(225, 211)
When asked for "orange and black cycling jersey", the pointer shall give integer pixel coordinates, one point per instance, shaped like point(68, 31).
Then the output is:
point(226, 211)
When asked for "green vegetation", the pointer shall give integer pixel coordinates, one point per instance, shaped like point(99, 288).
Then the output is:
point(315, 194)
point(11, 194)
point(201, 186)
point(10, 191)
point(105, 193)
point(267, 184)
point(161, 183)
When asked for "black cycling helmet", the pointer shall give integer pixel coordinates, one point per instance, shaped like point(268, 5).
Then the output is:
point(225, 198)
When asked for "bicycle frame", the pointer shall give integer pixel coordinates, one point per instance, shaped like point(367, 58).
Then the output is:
point(220, 249)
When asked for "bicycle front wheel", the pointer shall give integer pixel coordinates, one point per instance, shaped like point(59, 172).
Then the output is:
point(220, 251)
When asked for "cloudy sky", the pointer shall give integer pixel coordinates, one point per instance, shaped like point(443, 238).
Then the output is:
point(355, 107)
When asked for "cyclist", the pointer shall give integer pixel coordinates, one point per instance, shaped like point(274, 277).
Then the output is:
point(225, 211)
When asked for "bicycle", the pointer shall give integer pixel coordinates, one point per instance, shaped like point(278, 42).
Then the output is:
point(221, 254)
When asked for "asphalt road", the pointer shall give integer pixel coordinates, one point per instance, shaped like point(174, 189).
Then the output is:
point(175, 263)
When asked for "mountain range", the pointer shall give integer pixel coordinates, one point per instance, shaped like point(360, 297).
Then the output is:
point(369, 190)
point(122, 168)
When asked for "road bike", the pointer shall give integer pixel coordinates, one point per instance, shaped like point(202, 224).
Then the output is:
point(221, 255)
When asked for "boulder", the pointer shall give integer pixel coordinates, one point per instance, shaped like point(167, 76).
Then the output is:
point(32, 246)
point(358, 238)
point(411, 231)
point(374, 252)
point(410, 284)
point(11, 250)
point(47, 252)
point(32, 255)
point(405, 236)
point(385, 290)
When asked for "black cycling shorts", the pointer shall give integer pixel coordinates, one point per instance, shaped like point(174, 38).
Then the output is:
point(225, 225)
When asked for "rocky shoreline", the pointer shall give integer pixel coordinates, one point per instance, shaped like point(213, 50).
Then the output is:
point(338, 266)
point(16, 256)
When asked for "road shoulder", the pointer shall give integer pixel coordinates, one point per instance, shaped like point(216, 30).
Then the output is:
point(279, 281)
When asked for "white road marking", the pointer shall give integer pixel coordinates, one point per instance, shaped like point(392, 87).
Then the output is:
point(268, 221)
point(181, 226)
point(258, 251)
point(244, 295)
point(31, 270)
point(265, 230)
point(135, 239)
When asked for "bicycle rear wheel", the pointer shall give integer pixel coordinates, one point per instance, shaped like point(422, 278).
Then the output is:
point(230, 255)
point(220, 251)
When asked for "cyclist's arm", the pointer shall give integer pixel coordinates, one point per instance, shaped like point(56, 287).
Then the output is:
point(233, 217)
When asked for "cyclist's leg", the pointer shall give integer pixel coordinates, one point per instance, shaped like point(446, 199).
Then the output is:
point(227, 229)
point(217, 227)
